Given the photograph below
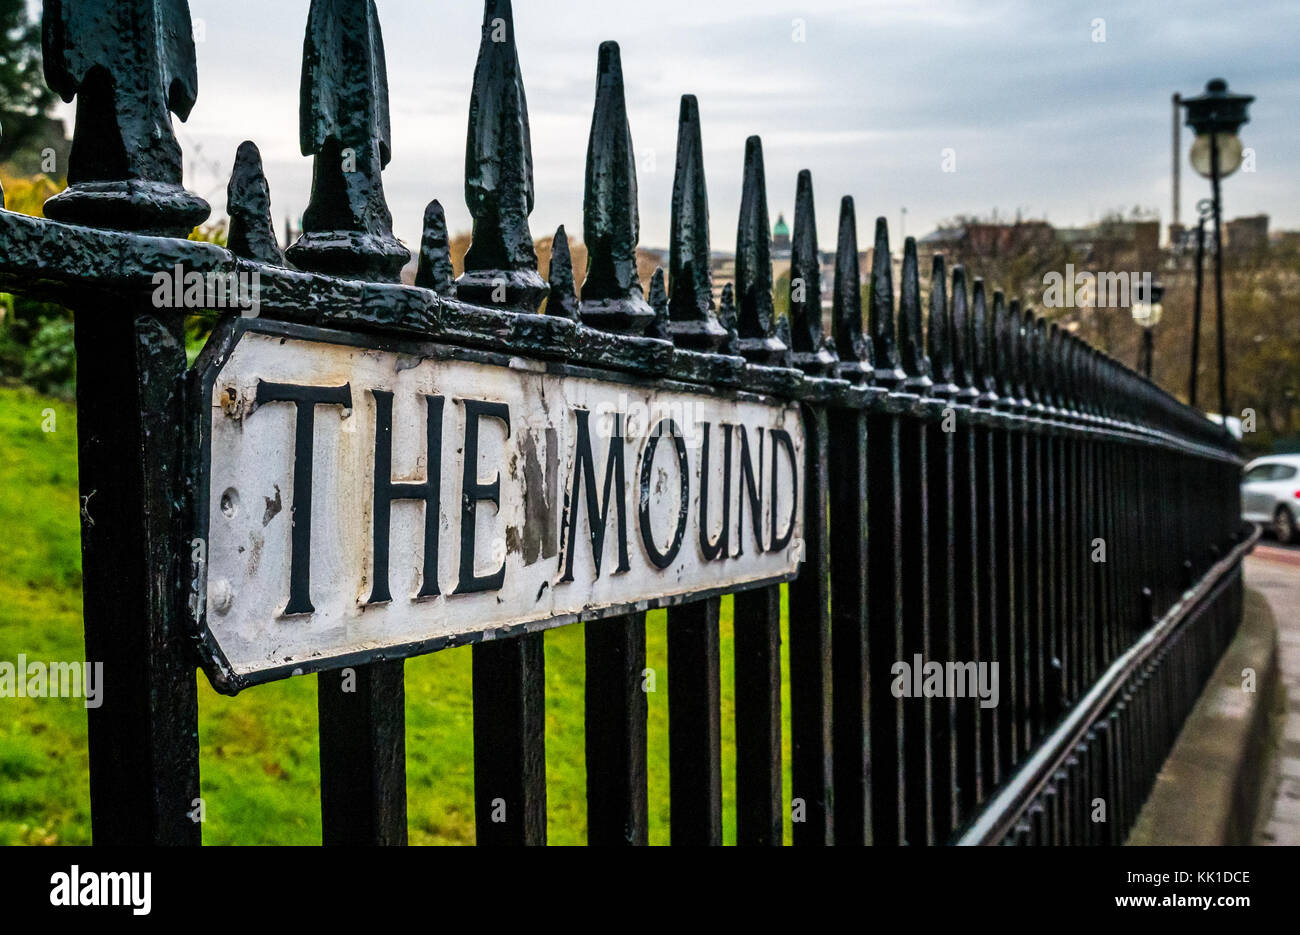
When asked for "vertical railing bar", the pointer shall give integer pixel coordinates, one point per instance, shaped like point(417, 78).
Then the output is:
point(812, 770)
point(500, 270)
point(967, 598)
point(362, 711)
point(885, 549)
point(922, 739)
point(616, 713)
point(612, 301)
point(942, 547)
point(757, 646)
point(847, 450)
point(694, 723)
point(509, 678)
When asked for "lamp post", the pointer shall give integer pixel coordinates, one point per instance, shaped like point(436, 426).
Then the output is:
point(1147, 310)
point(1216, 116)
point(1204, 209)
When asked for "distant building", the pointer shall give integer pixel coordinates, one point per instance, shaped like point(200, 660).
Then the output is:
point(1247, 234)
point(781, 238)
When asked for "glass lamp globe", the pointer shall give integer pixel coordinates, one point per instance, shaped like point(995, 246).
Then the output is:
point(1141, 313)
point(1230, 152)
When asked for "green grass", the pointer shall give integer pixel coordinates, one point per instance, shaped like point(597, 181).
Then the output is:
point(260, 770)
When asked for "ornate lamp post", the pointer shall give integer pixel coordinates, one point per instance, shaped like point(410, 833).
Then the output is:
point(1146, 312)
point(1216, 116)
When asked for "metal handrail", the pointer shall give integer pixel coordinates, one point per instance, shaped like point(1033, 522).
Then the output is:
point(999, 817)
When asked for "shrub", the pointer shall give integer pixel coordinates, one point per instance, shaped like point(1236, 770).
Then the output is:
point(50, 364)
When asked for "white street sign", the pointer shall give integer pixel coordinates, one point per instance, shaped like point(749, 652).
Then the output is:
point(359, 503)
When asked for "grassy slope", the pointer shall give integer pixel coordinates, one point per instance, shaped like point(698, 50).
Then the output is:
point(261, 780)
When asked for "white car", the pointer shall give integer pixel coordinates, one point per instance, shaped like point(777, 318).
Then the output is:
point(1270, 494)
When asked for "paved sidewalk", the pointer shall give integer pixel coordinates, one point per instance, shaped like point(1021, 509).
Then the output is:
point(1275, 573)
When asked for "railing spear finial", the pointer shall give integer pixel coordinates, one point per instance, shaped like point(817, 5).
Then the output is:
point(563, 299)
point(846, 302)
point(1035, 348)
point(729, 320)
point(981, 342)
point(1017, 361)
point(612, 299)
point(658, 299)
point(435, 270)
point(1003, 348)
point(347, 227)
point(1053, 366)
point(805, 322)
point(880, 310)
point(248, 202)
point(962, 347)
point(910, 335)
point(758, 341)
point(939, 338)
point(501, 264)
point(130, 65)
point(693, 321)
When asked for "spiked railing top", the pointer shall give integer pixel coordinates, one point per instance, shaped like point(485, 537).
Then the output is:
point(981, 331)
point(756, 324)
point(1003, 348)
point(880, 310)
point(1065, 372)
point(962, 344)
point(754, 247)
point(1019, 351)
point(563, 295)
point(499, 171)
point(693, 320)
point(612, 299)
point(805, 272)
point(1097, 383)
point(1078, 374)
point(727, 319)
point(344, 79)
point(435, 268)
point(131, 63)
point(248, 202)
point(911, 337)
point(658, 299)
point(1054, 365)
point(1073, 374)
point(939, 336)
point(1039, 391)
point(347, 227)
point(1096, 366)
point(846, 302)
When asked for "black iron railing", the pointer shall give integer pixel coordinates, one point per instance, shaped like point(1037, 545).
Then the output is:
point(981, 487)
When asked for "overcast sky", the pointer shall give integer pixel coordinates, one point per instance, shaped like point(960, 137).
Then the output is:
point(1043, 119)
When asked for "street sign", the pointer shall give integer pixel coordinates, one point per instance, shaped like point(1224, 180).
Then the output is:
point(361, 498)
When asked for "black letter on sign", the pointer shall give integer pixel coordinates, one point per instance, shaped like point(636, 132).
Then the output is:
point(472, 492)
point(386, 491)
point(714, 550)
point(597, 515)
point(305, 399)
point(781, 439)
point(665, 427)
point(755, 489)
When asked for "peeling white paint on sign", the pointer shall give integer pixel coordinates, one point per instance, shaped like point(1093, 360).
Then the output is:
point(496, 530)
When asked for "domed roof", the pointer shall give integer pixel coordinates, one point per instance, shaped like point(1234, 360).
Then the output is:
point(781, 229)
